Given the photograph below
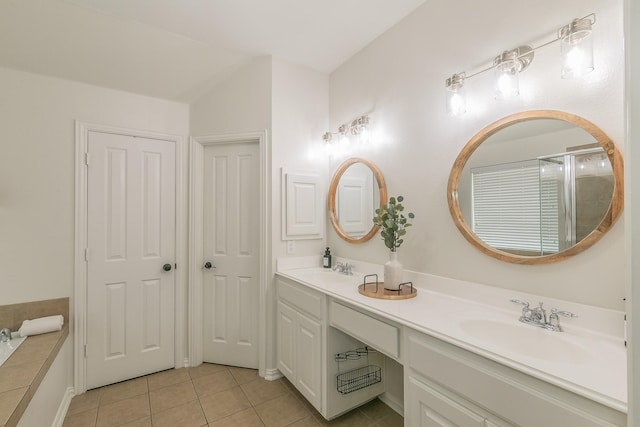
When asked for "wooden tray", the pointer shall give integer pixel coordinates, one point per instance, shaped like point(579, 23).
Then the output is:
point(369, 289)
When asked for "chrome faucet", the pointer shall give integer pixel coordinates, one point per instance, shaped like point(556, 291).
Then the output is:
point(5, 335)
point(345, 268)
point(538, 316)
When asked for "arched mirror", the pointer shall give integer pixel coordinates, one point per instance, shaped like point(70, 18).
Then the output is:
point(536, 187)
point(357, 190)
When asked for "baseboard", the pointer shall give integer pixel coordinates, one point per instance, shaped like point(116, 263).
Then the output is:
point(392, 403)
point(185, 363)
point(63, 408)
point(272, 374)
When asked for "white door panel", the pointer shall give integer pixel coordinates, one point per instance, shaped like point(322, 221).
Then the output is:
point(231, 243)
point(286, 341)
point(131, 235)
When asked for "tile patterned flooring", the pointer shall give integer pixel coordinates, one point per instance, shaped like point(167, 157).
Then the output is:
point(211, 395)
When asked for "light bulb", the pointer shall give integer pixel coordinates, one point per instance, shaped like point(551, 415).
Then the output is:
point(365, 135)
point(456, 104)
point(507, 84)
point(576, 48)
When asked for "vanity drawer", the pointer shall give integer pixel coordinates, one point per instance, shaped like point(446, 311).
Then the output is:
point(300, 296)
point(378, 334)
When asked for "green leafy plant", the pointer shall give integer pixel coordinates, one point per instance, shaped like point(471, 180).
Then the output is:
point(392, 222)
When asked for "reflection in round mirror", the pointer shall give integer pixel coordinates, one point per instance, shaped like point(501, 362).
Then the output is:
point(357, 190)
point(536, 187)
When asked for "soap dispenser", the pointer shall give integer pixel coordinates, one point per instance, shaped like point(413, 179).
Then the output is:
point(326, 259)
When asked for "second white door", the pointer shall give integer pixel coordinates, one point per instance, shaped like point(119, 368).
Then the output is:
point(231, 244)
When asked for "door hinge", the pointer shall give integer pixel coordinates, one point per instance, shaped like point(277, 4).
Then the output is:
point(85, 351)
point(87, 254)
point(86, 158)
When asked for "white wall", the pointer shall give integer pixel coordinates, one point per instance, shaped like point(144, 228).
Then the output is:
point(300, 111)
point(399, 81)
point(239, 104)
point(37, 137)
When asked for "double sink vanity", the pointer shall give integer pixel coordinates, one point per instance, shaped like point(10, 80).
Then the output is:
point(456, 353)
point(466, 358)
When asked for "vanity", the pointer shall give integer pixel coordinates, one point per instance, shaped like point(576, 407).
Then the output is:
point(466, 362)
point(522, 191)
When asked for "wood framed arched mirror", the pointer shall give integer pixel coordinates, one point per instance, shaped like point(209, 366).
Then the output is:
point(357, 189)
point(536, 187)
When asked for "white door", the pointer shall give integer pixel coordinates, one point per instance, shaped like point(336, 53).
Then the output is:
point(354, 202)
point(131, 241)
point(231, 243)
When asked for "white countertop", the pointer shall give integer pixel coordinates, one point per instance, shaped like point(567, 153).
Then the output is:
point(589, 363)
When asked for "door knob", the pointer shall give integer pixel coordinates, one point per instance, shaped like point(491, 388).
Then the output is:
point(208, 265)
point(166, 267)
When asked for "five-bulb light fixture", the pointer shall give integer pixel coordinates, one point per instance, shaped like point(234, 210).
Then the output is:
point(355, 127)
point(576, 50)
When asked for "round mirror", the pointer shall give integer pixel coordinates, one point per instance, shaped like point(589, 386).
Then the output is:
point(357, 190)
point(536, 187)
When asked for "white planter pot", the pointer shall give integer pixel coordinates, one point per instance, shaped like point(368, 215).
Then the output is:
point(392, 272)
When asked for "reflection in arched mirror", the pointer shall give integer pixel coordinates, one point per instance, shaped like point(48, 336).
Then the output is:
point(536, 187)
point(357, 190)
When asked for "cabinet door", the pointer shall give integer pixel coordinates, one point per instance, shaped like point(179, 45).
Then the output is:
point(428, 407)
point(285, 338)
point(308, 363)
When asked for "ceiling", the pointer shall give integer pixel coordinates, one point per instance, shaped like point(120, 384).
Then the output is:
point(178, 49)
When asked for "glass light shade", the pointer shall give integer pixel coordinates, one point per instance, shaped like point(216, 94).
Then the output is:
point(507, 84)
point(365, 135)
point(576, 49)
point(456, 103)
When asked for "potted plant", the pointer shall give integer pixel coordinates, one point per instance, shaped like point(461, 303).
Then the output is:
point(393, 224)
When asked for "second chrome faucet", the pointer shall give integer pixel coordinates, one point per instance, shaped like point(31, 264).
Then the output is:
point(345, 268)
point(538, 316)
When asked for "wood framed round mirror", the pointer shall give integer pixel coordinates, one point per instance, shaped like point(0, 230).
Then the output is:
point(536, 187)
point(357, 189)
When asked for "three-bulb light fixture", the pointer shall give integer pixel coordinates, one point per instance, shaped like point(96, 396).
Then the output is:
point(576, 50)
point(357, 127)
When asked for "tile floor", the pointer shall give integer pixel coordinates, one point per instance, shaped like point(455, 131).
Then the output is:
point(211, 395)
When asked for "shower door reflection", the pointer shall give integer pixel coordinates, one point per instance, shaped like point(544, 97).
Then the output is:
point(542, 206)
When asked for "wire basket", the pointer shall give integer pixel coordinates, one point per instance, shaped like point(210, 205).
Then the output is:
point(357, 379)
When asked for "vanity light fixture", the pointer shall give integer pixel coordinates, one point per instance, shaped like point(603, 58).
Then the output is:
point(357, 127)
point(576, 57)
point(456, 103)
point(576, 47)
point(506, 67)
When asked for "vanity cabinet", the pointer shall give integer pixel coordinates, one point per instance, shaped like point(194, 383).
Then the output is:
point(429, 405)
point(307, 347)
point(446, 385)
point(299, 343)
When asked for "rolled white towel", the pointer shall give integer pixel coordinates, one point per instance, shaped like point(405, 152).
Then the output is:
point(41, 325)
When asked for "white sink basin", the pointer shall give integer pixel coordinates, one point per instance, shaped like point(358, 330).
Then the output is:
point(526, 340)
point(7, 348)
